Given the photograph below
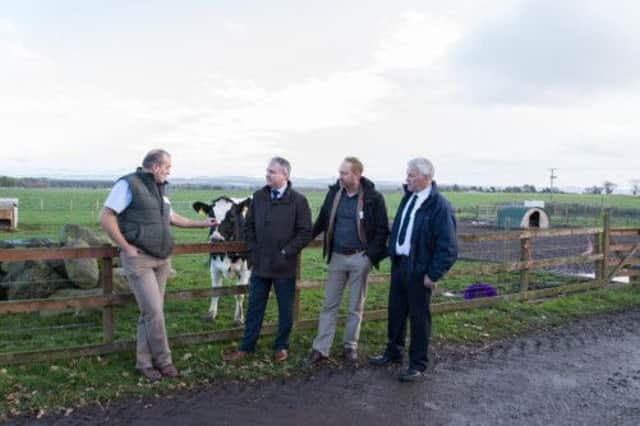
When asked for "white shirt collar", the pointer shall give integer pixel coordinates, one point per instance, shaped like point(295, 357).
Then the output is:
point(280, 190)
point(424, 194)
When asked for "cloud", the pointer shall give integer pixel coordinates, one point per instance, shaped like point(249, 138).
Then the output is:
point(7, 26)
point(550, 51)
point(394, 86)
point(416, 41)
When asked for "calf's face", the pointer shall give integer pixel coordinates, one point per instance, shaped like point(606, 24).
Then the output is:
point(229, 213)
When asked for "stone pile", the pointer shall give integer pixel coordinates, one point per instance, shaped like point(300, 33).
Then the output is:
point(38, 279)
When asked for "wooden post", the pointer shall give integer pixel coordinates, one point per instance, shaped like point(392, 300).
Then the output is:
point(597, 249)
point(107, 289)
point(296, 297)
point(606, 229)
point(525, 256)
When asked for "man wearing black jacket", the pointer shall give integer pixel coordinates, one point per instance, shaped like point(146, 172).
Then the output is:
point(355, 225)
point(422, 247)
point(277, 227)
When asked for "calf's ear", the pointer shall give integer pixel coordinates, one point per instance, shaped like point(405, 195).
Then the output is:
point(245, 203)
point(202, 208)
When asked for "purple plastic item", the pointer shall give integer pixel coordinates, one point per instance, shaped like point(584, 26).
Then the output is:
point(479, 290)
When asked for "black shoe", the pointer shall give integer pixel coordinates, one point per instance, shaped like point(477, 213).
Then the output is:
point(411, 375)
point(384, 359)
point(350, 355)
point(315, 357)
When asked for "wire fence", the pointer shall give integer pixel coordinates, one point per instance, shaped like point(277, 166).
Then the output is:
point(41, 219)
point(561, 214)
point(514, 263)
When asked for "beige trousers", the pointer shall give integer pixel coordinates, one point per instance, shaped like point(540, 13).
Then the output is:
point(147, 277)
point(343, 269)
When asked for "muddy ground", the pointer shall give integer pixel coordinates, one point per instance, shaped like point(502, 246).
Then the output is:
point(585, 373)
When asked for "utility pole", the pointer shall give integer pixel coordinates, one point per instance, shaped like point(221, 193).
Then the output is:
point(552, 177)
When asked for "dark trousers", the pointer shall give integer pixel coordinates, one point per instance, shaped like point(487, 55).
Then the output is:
point(408, 298)
point(258, 295)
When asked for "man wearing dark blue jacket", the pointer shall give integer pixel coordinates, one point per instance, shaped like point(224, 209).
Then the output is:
point(422, 248)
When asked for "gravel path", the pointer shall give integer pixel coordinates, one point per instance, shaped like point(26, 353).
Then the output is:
point(586, 373)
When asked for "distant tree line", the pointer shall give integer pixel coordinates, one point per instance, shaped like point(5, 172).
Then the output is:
point(607, 187)
point(30, 182)
point(509, 189)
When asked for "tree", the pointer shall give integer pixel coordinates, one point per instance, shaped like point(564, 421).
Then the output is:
point(609, 187)
point(635, 186)
point(595, 190)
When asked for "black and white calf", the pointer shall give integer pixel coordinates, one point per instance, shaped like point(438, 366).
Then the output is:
point(230, 213)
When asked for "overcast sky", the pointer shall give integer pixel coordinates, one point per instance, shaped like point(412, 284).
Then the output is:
point(494, 92)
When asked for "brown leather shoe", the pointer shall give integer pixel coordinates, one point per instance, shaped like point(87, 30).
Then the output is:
point(315, 357)
point(151, 374)
point(350, 355)
point(234, 356)
point(169, 371)
point(281, 355)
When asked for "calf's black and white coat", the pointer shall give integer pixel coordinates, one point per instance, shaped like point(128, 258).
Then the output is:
point(230, 213)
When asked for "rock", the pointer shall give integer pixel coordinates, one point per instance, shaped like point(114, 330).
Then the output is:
point(6, 244)
point(84, 272)
point(29, 243)
point(35, 281)
point(58, 266)
point(120, 283)
point(71, 232)
point(39, 242)
point(14, 268)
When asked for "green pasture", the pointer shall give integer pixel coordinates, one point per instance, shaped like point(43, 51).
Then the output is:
point(60, 385)
point(43, 211)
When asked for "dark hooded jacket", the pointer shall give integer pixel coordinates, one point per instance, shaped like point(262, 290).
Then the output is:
point(373, 221)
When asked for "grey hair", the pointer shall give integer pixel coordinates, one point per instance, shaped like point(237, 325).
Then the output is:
point(282, 163)
point(423, 166)
point(154, 157)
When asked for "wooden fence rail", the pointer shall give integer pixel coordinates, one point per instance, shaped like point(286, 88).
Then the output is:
point(108, 300)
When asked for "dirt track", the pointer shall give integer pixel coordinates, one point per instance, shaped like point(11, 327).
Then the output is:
point(585, 373)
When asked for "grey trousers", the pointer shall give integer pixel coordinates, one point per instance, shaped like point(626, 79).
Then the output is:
point(147, 277)
point(343, 270)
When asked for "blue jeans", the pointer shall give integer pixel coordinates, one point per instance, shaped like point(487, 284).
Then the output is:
point(258, 295)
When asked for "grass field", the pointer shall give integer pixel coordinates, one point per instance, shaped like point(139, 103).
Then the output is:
point(43, 211)
point(60, 385)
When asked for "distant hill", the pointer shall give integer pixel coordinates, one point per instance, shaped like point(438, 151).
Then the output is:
point(244, 182)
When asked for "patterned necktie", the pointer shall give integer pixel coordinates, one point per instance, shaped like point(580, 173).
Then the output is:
point(274, 194)
point(405, 220)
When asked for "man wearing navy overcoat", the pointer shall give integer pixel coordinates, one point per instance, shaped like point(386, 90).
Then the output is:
point(422, 248)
